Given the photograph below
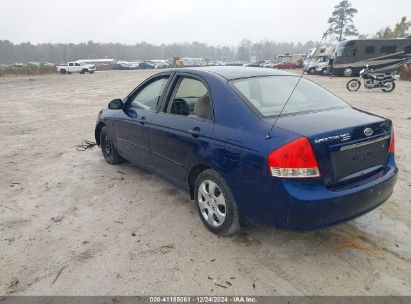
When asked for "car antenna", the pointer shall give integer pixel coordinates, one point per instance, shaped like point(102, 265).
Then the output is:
point(298, 81)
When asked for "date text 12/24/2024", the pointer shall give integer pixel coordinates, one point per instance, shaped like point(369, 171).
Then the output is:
point(203, 299)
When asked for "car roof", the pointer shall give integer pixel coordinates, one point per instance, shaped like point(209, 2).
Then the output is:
point(234, 72)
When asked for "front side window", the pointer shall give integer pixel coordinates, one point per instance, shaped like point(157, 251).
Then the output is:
point(77, 64)
point(149, 96)
point(191, 99)
point(267, 95)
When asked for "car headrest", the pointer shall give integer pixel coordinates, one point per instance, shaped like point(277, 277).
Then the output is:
point(202, 107)
point(180, 107)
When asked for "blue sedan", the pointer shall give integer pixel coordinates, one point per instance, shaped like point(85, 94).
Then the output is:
point(253, 144)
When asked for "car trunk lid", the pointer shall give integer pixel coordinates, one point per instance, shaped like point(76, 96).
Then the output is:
point(349, 144)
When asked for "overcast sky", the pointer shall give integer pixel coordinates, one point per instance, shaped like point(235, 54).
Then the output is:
point(217, 22)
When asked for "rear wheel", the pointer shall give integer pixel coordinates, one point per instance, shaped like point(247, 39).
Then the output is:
point(108, 149)
point(389, 87)
point(311, 71)
point(63, 71)
point(353, 85)
point(216, 204)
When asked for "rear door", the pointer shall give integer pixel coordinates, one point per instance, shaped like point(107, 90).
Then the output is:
point(132, 127)
point(181, 133)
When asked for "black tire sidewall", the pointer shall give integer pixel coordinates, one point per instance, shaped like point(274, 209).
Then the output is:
point(114, 158)
point(231, 222)
point(353, 80)
point(390, 90)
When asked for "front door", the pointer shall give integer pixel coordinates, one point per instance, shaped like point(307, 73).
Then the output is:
point(132, 128)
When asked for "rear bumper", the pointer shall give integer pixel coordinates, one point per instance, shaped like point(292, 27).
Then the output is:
point(309, 205)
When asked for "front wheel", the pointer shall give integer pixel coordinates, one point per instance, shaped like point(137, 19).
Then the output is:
point(389, 87)
point(311, 71)
point(216, 204)
point(353, 85)
point(108, 149)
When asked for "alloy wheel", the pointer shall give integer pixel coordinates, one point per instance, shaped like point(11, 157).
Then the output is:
point(212, 203)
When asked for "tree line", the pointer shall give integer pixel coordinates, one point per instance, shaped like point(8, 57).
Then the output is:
point(63, 52)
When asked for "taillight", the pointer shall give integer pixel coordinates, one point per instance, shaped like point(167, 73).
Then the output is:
point(294, 160)
point(392, 145)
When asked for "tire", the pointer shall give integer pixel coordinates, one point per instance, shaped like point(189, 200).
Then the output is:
point(108, 149)
point(390, 89)
point(220, 204)
point(353, 85)
point(63, 71)
point(348, 72)
point(311, 71)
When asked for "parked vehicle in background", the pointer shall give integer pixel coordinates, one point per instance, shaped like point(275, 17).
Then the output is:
point(255, 64)
point(384, 82)
point(270, 63)
point(229, 138)
point(318, 65)
point(75, 67)
point(159, 64)
point(291, 57)
point(145, 65)
point(285, 65)
point(122, 65)
point(384, 55)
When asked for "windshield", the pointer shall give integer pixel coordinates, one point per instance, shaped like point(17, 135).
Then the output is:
point(339, 51)
point(267, 95)
point(345, 51)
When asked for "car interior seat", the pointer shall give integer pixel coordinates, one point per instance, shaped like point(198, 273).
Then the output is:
point(180, 107)
point(202, 108)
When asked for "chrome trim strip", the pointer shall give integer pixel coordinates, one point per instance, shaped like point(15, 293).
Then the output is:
point(364, 143)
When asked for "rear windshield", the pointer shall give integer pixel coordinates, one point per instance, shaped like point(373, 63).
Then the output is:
point(267, 95)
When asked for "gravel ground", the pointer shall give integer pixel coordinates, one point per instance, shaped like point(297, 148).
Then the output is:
point(70, 224)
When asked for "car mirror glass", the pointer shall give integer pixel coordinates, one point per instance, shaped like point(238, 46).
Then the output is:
point(115, 104)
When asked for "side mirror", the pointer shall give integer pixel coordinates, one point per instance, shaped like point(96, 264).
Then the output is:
point(115, 104)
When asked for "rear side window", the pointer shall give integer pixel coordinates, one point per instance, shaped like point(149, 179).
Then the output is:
point(267, 95)
point(191, 98)
point(388, 49)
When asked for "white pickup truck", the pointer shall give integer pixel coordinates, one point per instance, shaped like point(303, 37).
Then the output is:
point(76, 67)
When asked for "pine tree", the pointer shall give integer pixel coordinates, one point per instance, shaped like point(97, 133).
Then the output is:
point(401, 28)
point(341, 22)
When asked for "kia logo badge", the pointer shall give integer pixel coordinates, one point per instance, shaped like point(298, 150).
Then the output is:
point(368, 131)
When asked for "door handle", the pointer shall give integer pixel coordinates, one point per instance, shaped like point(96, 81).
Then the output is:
point(195, 132)
point(142, 120)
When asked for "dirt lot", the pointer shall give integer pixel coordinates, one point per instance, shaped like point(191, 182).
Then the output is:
point(70, 224)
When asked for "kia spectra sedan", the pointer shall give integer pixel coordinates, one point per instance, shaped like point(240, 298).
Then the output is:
point(253, 144)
